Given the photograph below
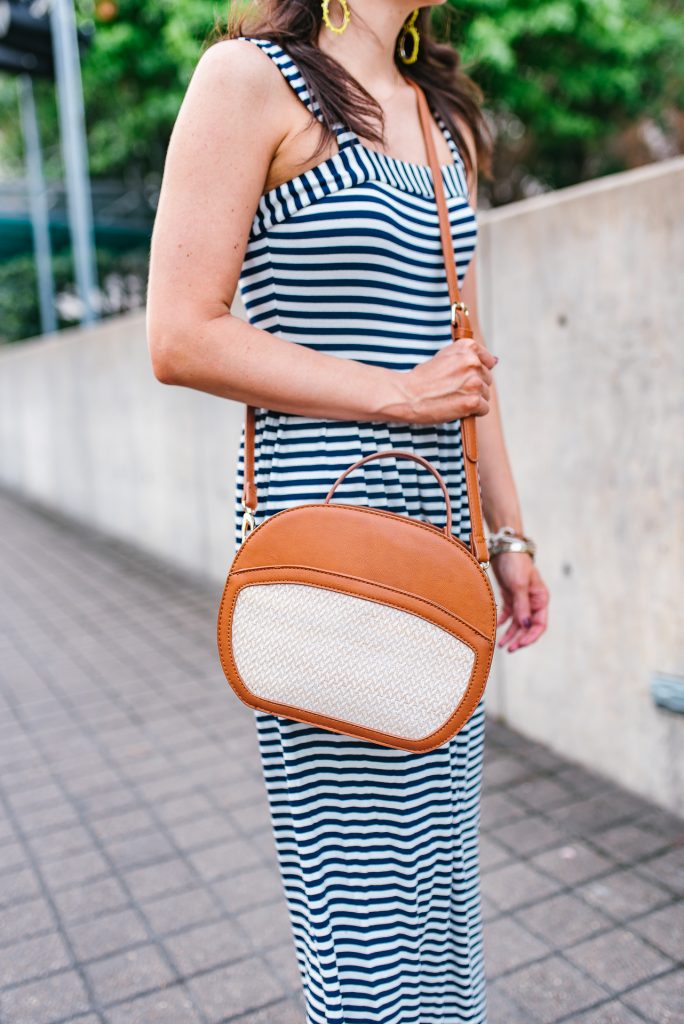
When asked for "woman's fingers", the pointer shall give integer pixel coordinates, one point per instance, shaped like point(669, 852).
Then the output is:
point(506, 610)
point(454, 383)
point(503, 614)
point(522, 612)
point(481, 351)
point(475, 354)
point(539, 605)
point(518, 600)
point(475, 382)
point(530, 618)
point(509, 634)
point(533, 632)
point(528, 636)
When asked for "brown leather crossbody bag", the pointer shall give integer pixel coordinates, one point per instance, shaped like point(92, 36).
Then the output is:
point(356, 619)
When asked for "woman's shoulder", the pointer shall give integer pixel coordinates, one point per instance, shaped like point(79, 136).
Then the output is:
point(240, 65)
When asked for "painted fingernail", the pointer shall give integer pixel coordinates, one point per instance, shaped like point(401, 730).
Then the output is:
point(527, 622)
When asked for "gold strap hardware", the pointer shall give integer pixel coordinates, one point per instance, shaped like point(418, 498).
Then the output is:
point(456, 308)
point(248, 520)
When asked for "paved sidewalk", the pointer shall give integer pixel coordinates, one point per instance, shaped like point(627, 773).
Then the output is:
point(137, 874)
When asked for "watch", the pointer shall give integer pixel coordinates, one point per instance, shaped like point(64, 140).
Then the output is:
point(506, 539)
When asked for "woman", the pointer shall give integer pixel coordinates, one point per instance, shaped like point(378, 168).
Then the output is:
point(296, 170)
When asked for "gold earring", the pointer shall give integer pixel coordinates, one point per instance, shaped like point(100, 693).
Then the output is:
point(409, 29)
point(338, 29)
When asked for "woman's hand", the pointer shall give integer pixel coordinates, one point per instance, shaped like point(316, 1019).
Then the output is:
point(525, 599)
point(451, 384)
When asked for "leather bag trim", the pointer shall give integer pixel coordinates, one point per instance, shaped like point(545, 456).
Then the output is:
point(370, 511)
point(483, 649)
point(370, 583)
point(361, 597)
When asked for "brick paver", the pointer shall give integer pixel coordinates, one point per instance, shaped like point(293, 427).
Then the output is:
point(138, 881)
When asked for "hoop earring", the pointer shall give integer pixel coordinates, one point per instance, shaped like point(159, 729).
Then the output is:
point(409, 30)
point(337, 29)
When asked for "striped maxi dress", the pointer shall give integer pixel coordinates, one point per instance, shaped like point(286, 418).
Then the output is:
point(377, 848)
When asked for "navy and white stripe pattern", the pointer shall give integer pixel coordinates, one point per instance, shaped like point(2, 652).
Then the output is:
point(377, 847)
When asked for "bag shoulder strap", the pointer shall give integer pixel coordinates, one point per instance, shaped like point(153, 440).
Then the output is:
point(460, 328)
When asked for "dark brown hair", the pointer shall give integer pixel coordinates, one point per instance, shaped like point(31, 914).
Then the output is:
point(295, 26)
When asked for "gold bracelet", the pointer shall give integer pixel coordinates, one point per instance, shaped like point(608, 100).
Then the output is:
point(506, 539)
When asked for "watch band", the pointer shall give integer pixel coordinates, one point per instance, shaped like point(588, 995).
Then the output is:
point(506, 539)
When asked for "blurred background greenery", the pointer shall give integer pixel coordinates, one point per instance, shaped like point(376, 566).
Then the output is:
point(574, 89)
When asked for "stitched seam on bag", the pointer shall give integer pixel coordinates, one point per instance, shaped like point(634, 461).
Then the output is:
point(304, 711)
point(362, 597)
point(333, 591)
point(359, 579)
point(368, 733)
point(372, 511)
point(388, 515)
point(445, 726)
point(385, 604)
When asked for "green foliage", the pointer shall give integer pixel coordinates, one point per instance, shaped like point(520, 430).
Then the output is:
point(563, 77)
point(560, 77)
point(563, 80)
point(122, 280)
point(19, 314)
point(134, 78)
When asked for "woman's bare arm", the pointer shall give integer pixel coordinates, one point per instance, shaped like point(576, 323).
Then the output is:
point(226, 133)
point(234, 119)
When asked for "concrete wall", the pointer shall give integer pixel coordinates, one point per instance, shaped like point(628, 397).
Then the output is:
point(86, 428)
point(583, 302)
point(581, 297)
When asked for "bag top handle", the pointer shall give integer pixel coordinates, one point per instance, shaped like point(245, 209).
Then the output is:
point(460, 328)
point(396, 453)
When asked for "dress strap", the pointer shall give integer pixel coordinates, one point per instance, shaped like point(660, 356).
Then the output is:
point(455, 151)
point(295, 79)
